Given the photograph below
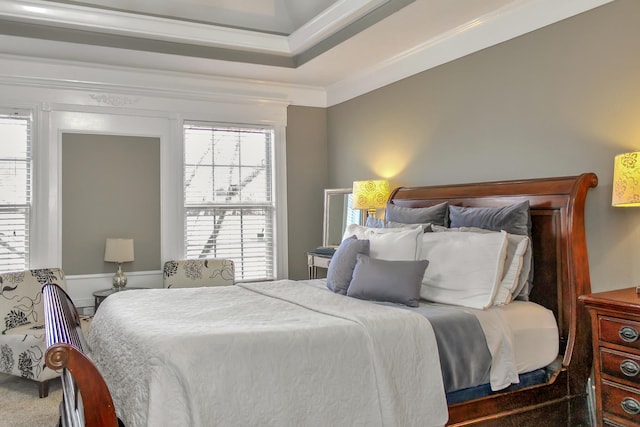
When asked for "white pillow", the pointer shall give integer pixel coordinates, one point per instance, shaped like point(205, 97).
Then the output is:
point(516, 266)
point(514, 263)
point(393, 244)
point(464, 268)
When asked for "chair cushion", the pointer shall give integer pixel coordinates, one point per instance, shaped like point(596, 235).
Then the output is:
point(22, 313)
point(198, 272)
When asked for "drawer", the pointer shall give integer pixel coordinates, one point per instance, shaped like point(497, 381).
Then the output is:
point(620, 365)
point(620, 401)
point(619, 331)
point(321, 262)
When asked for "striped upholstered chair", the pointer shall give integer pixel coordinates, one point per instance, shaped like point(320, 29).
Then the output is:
point(193, 273)
point(22, 344)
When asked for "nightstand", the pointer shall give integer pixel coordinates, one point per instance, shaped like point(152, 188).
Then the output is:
point(99, 296)
point(615, 325)
point(315, 261)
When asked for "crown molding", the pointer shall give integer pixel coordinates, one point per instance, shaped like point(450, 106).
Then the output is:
point(513, 20)
point(73, 76)
point(330, 21)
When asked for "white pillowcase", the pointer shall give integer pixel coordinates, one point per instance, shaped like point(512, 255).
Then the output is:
point(393, 244)
point(514, 263)
point(464, 268)
point(516, 267)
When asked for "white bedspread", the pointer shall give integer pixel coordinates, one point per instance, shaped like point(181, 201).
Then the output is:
point(266, 354)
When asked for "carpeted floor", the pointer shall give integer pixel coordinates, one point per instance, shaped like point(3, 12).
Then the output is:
point(20, 405)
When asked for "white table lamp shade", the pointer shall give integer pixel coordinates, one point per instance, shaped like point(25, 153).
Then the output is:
point(118, 250)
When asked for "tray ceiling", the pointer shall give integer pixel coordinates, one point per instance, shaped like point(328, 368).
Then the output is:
point(345, 47)
point(275, 16)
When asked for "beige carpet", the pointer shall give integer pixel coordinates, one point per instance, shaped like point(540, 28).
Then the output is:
point(20, 405)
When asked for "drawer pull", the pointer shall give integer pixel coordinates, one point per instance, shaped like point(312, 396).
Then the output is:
point(630, 405)
point(629, 368)
point(628, 334)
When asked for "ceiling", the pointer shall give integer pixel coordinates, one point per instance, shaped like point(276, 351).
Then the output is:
point(346, 47)
point(275, 16)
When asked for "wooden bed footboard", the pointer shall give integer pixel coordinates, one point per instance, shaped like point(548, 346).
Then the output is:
point(86, 400)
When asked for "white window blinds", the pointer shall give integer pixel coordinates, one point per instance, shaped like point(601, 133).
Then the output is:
point(228, 196)
point(15, 190)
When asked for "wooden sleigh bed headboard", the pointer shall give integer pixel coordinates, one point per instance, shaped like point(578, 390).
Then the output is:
point(561, 275)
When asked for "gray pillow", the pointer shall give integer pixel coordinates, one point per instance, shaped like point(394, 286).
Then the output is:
point(373, 222)
point(388, 281)
point(434, 214)
point(514, 219)
point(343, 262)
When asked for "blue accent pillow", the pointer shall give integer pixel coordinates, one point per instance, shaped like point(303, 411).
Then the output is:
point(434, 214)
point(343, 262)
point(388, 281)
point(514, 219)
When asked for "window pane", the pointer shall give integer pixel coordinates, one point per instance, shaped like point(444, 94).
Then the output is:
point(14, 182)
point(228, 197)
point(241, 234)
point(13, 240)
point(14, 138)
point(15, 192)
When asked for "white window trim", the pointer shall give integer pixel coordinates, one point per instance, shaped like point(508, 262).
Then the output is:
point(280, 231)
point(28, 112)
point(47, 216)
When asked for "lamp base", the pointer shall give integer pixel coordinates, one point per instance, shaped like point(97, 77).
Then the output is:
point(119, 279)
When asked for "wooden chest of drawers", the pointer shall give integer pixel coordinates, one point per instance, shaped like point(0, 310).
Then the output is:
point(615, 322)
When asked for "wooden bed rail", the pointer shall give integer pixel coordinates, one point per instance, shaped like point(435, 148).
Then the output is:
point(86, 400)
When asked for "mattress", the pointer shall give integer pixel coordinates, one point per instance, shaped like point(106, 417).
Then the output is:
point(527, 332)
point(535, 334)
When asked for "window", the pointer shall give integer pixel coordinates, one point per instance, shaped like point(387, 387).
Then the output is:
point(15, 190)
point(228, 196)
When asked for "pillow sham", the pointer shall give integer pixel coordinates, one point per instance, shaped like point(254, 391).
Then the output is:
point(389, 243)
point(343, 262)
point(464, 268)
point(517, 255)
point(389, 281)
point(436, 214)
point(514, 219)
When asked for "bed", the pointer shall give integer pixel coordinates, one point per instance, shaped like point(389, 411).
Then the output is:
point(292, 353)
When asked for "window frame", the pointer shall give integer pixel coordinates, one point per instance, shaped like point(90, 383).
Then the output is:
point(28, 206)
point(277, 205)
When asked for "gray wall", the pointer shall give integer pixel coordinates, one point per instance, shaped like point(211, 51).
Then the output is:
point(110, 188)
point(559, 101)
point(307, 177)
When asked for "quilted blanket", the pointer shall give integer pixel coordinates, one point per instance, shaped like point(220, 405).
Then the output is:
point(266, 354)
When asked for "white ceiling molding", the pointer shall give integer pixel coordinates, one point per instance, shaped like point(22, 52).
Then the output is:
point(79, 77)
point(329, 22)
point(332, 20)
point(511, 21)
point(388, 51)
point(151, 27)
